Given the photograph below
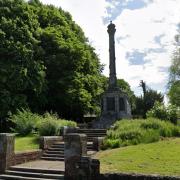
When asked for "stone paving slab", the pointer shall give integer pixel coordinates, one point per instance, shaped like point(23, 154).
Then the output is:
point(42, 164)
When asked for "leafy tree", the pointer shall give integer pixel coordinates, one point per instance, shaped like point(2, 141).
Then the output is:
point(22, 73)
point(46, 62)
point(73, 70)
point(160, 111)
point(174, 80)
point(146, 102)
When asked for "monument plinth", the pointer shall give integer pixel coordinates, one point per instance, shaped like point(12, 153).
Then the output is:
point(115, 103)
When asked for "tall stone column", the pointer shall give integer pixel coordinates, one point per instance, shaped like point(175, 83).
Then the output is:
point(6, 151)
point(112, 59)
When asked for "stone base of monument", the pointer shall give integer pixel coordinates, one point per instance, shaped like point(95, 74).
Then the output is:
point(115, 106)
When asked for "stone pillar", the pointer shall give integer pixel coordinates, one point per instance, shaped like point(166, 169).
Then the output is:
point(97, 143)
point(68, 130)
point(88, 169)
point(6, 151)
point(112, 64)
point(75, 148)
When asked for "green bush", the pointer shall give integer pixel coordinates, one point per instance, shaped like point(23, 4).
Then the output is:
point(52, 125)
point(48, 127)
point(132, 132)
point(48, 124)
point(25, 121)
point(159, 111)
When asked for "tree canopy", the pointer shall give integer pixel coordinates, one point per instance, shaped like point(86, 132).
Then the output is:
point(174, 80)
point(46, 62)
point(146, 102)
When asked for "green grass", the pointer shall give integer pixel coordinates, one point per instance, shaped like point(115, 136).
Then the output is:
point(26, 143)
point(162, 158)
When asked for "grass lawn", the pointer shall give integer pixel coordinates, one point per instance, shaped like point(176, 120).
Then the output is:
point(26, 143)
point(162, 157)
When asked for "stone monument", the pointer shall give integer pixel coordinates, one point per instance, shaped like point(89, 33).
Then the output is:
point(115, 103)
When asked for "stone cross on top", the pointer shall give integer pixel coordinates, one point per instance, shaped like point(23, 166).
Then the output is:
point(112, 59)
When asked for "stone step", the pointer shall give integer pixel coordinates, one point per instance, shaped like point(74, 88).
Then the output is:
point(38, 170)
point(35, 174)
point(52, 158)
point(9, 177)
point(53, 155)
point(56, 149)
point(92, 130)
point(59, 142)
point(54, 152)
point(57, 146)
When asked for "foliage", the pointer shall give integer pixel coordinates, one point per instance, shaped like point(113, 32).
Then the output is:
point(146, 102)
point(132, 132)
point(46, 62)
point(30, 142)
point(174, 93)
point(22, 71)
point(24, 121)
point(73, 69)
point(164, 113)
point(49, 124)
point(174, 77)
point(156, 158)
point(52, 125)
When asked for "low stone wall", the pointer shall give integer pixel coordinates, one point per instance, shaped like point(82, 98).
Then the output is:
point(135, 177)
point(47, 141)
point(22, 157)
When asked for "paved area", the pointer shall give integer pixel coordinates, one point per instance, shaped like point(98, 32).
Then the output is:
point(42, 164)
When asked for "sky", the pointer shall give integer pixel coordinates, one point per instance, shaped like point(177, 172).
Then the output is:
point(144, 37)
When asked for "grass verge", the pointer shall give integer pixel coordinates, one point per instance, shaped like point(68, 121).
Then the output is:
point(26, 143)
point(162, 158)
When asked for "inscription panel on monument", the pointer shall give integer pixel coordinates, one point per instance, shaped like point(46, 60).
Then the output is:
point(110, 103)
point(121, 104)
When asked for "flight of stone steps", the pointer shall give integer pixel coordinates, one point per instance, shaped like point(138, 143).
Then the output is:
point(54, 153)
point(19, 173)
point(91, 133)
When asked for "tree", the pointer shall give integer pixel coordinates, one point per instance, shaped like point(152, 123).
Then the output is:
point(46, 62)
point(174, 80)
point(143, 85)
point(73, 70)
point(146, 102)
point(22, 73)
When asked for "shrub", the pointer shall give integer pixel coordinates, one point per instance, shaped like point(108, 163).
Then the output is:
point(132, 132)
point(25, 121)
point(48, 127)
point(110, 143)
point(49, 124)
point(52, 125)
point(159, 111)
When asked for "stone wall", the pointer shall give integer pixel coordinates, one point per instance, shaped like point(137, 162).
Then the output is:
point(135, 177)
point(22, 157)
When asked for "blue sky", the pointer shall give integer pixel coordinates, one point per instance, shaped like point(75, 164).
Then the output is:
point(145, 31)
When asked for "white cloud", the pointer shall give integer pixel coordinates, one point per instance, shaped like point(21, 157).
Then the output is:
point(138, 28)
